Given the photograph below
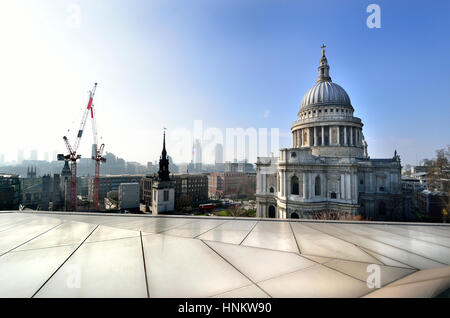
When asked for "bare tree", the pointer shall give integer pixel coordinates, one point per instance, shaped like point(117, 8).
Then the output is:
point(336, 215)
point(236, 210)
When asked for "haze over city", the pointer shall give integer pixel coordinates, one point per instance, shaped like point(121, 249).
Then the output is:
point(230, 64)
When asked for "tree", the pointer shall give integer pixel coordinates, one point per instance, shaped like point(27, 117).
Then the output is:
point(438, 177)
point(236, 210)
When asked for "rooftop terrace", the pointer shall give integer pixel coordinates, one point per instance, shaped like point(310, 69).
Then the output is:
point(56, 254)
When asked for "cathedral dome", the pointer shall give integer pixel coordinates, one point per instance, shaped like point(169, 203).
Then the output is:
point(326, 93)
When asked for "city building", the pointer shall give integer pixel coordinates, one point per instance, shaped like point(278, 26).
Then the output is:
point(239, 166)
point(328, 171)
point(31, 172)
point(190, 190)
point(129, 196)
point(227, 184)
point(110, 183)
point(10, 192)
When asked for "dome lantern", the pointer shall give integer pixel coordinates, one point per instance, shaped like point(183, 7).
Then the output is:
point(324, 68)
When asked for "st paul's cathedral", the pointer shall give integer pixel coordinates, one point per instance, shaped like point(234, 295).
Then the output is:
point(328, 171)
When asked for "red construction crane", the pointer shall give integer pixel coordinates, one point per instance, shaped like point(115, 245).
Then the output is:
point(98, 157)
point(72, 156)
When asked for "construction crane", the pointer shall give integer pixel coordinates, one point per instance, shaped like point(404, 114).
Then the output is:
point(72, 156)
point(97, 155)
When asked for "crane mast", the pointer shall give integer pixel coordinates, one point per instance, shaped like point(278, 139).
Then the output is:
point(72, 155)
point(97, 155)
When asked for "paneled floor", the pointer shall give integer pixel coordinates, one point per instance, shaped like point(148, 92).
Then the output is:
point(49, 254)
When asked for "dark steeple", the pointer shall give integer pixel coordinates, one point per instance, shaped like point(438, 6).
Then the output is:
point(163, 173)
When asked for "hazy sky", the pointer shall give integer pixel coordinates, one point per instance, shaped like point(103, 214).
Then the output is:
point(229, 63)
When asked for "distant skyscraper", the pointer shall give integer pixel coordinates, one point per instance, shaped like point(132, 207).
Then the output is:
point(218, 153)
point(218, 161)
point(197, 155)
point(46, 156)
point(34, 155)
point(20, 156)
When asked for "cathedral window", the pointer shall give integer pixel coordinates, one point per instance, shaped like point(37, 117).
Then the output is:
point(317, 186)
point(166, 195)
point(271, 190)
point(294, 185)
point(333, 195)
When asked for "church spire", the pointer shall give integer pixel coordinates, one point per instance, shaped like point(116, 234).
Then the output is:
point(164, 152)
point(163, 173)
point(324, 68)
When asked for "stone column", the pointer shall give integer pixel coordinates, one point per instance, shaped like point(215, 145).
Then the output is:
point(345, 135)
point(309, 137)
point(286, 189)
point(315, 136)
point(305, 181)
point(347, 187)
point(330, 139)
point(323, 136)
point(342, 188)
point(351, 136)
point(339, 135)
point(303, 142)
point(323, 186)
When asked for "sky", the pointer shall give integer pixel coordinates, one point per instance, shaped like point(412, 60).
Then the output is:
point(221, 63)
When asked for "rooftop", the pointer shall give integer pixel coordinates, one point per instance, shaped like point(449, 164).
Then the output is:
point(56, 254)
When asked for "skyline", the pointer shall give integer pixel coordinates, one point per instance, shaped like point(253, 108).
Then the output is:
point(230, 64)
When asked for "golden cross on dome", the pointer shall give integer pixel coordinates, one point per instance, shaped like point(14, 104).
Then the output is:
point(323, 49)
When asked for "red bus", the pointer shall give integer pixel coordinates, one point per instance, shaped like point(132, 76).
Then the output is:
point(209, 207)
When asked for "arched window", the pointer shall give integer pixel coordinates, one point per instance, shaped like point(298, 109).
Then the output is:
point(294, 215)
point(271, 190)
point(317, 186)
point(272, 212)
point(294, 185)
point(333, 195)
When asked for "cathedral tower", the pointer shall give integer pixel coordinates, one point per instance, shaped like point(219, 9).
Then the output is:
point(163, 189)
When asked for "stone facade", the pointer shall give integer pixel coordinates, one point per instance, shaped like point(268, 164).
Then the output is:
point(328, 170)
